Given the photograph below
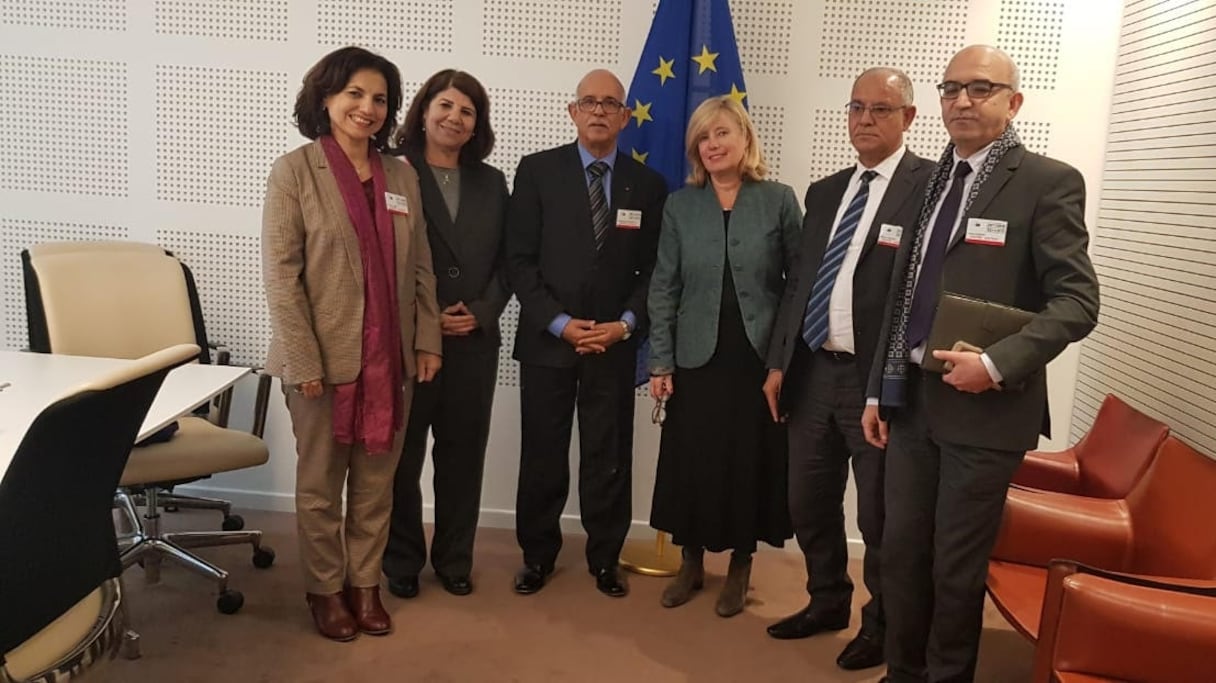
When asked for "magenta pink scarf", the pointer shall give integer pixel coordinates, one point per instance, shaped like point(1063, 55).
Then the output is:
point(369, 410)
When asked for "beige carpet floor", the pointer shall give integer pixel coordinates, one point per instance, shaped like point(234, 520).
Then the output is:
point(567, 632)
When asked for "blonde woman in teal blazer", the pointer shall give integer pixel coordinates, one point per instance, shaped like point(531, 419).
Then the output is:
point(727, 241)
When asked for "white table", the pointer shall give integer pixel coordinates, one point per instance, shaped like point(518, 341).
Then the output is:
point(37, 379)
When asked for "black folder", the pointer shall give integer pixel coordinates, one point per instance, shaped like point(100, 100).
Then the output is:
point(975, 323)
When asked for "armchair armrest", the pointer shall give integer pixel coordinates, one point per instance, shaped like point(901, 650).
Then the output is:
point(1039, 526)
point(1125, 627)
point(1057, 471)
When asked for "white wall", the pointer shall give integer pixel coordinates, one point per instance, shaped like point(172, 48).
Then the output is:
point(158, 121)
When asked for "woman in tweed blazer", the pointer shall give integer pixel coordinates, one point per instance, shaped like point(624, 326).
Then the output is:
point(354, 318)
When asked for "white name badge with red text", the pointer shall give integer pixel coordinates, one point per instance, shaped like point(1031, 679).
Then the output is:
point(628, 219)
point(889, 235)
point(986, 231)
point(396, 204)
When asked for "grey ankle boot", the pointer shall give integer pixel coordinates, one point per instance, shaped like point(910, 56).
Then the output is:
point(688, 580)
point(734, 591)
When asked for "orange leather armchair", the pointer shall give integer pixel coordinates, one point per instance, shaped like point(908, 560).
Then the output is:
point(1162, 528)
point(1106, 463)
point(1106, 626)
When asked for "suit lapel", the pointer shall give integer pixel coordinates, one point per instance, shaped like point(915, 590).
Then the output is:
point(432, 196)
point(1000, 175)
point(327, 188)
point(899, 191)
point(574, 181)
point(821, 225)
point(622, 182)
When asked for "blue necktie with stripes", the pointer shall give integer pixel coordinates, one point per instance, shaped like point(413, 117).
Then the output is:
point(815, 320)
point(600, 214)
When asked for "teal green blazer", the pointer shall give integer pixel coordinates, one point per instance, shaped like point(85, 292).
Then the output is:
point(686, 287)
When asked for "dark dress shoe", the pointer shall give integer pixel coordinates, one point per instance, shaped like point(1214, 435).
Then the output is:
point(862, 652)
point(456, 585)
point(531, 578)
point(368, 611)
point(331, 616)
point(405, 587)
point(807, 622)
point(609, 582)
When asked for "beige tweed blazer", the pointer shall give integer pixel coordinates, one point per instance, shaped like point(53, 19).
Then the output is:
point(313, 272)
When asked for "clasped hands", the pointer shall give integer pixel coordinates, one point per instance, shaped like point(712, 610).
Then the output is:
point(588, 336)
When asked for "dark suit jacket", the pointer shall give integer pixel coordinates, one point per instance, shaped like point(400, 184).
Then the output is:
point(469, 253)
point(1043, 267)
point(872, 278)
point(551, 255)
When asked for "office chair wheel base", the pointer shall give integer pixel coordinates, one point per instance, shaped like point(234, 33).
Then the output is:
point(233, 523)
point(229, 602)
point(263, 557)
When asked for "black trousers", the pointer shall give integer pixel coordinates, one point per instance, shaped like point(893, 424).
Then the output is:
point(826, 401)
point(601, 388)
point(455, 408)
point(944, 504)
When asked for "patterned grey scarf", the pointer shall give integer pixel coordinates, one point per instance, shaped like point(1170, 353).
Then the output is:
point(895, 369)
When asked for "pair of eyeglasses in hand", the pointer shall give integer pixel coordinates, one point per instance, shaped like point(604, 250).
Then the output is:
point(659, 413)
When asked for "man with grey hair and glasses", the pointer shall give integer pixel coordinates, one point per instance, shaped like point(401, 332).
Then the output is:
point(822, 348)
point(1003, 225)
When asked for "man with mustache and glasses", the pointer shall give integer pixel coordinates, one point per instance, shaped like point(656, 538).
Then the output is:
point(1007, 226)
point(582, 232)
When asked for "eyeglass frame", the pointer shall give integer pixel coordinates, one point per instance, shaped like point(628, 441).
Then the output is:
point(658, 415)
point(588, 104)
point(855, 108)
point(994, 87)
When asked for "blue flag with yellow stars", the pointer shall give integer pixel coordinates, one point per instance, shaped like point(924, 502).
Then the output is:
point(690, 55)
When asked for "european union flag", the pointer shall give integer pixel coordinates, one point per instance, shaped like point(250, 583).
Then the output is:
point(690, 55)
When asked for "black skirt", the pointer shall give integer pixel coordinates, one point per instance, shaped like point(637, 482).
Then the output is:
point(721, 479)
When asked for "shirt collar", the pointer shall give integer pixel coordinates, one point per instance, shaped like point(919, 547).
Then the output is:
point(587, 158)
point(975, 161)
point(885, 168)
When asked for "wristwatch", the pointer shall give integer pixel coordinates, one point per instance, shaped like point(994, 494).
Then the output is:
point(628, 332)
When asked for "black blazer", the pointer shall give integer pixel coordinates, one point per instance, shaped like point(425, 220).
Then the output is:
point(551, 255)
point(1043, 267)
point(469, 253)
point(871, 280)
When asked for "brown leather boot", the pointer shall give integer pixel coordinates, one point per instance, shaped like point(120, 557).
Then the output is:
point(734, 592)
point(333, 619)
point(689, 580)
point(369, 612)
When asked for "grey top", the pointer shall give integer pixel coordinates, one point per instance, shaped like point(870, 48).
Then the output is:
point(448, 180)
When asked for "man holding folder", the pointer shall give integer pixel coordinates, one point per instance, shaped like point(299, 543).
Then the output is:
point(1006, 226)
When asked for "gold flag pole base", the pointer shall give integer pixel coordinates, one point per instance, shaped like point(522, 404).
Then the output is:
point(651, 558)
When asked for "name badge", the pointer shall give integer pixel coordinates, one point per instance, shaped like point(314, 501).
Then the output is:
point(628, 219)
point(397, 204)
point(889, 235)
point(986, 231)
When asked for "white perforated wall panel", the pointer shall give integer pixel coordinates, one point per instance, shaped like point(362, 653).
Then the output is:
point(1030, 31)
point(229, 167)
point(560, 30)
point(763, 29)
point(914, 35)
point(243, 19)
point(105, 15)
point(65, 123)
point(410, 25)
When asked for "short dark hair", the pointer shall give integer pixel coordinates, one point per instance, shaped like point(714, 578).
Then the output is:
point(329, 76)
point(410, 138)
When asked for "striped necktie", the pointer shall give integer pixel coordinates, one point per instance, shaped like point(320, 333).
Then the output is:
point(599, 201)
point(815, 320)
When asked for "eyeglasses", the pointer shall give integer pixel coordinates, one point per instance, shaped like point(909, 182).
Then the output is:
point(878, 111)
point(659, 414)
point(587, 105)
point(976, 90)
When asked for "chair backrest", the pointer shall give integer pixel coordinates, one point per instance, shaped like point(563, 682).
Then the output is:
point(57, 541)
point(1172, 510)
point(112, 299)
point(1117, 450)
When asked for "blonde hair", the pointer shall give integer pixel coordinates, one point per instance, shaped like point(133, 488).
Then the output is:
point(751, 167)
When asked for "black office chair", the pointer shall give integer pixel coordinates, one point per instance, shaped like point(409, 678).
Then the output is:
point(119, 300)
point(60, 595)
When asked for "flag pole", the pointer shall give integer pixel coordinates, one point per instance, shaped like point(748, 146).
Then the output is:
point(651, 558)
